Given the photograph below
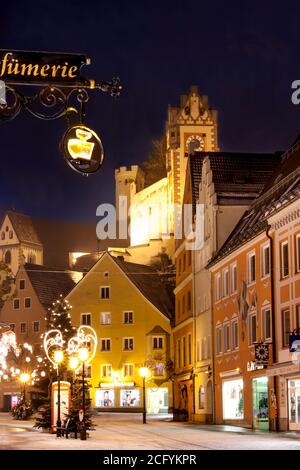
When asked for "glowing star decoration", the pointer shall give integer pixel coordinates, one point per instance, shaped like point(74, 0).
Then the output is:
point(86, 338)
point(53, 340)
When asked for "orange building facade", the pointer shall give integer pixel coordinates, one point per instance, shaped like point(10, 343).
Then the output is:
point(242, 322)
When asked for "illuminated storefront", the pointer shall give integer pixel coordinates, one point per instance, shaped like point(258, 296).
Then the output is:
point(260, 403)
point(157, 400)
point(294, 404)
point(233, 399)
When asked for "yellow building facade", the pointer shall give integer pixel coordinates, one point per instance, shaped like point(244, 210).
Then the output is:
point(131, 312)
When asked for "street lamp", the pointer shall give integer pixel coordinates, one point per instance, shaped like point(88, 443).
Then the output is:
point(24, 378)
point(58, 358)
point(144, 372)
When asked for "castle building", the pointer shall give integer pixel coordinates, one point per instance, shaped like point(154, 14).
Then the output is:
point(191, 126)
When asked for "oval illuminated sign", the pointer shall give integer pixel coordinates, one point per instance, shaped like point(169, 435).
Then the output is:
point(82, 149)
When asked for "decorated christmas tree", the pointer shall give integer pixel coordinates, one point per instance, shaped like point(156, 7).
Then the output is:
point(77, 405)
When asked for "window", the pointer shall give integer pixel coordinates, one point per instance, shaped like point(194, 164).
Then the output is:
point(189, 300)
point(190, 349)
point(179, 353)
point(27, 302)
point(201, 397)
point(233, 399)
point(298, 253)
point(12, 326)
point(235, 333)
point(105, 344)
point(157, 342)
point(298, 316)
point(128, 344)
point(251, 267)
point(218, 287)
point(266, 318)
point(233, 278)
point(11, 234)
point(7, 257)
point(128, 370)
point(265, 261)
point(159, 370)
point(252, 325)
point(22, 284)
point(219, 339)
point(16, 304)
point(23, 327)
point(128, 318)
point(86, 319)
point(284, 259)
point(105, 370)
point(105, 318)
point(286, 328)
point(184, 351)
point(226, 337)
point(225, 282)
point(36, 326)
point(203, 349)
point(104, 292)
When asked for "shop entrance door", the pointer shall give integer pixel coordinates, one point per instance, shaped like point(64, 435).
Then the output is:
point(294, 404)
point(260, 403)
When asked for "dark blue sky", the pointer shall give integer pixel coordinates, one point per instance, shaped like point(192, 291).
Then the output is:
point(243, 55)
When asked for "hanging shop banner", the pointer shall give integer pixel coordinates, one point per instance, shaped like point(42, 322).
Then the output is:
point(294, 343)
point(65, 390)
point(262, 353)
point(42, 68)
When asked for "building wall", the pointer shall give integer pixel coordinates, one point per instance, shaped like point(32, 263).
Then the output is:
point(234, 364)
point(85, 299)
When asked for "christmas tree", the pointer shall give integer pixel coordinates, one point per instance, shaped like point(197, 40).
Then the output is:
point(77, 405)
point(58, 318)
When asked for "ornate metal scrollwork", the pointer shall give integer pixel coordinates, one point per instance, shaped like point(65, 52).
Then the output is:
point(51, 102)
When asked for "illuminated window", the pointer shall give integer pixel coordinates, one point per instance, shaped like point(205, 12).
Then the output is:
point(201, 397)
point(106, 370)
point(128, 370)
point(159, 370)
point(105, 318)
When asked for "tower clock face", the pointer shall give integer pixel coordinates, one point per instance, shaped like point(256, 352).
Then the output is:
point(195, 142)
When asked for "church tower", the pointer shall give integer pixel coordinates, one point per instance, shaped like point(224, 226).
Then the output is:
point(190, 127)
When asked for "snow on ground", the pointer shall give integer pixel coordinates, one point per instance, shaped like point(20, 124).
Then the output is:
point(126, 432)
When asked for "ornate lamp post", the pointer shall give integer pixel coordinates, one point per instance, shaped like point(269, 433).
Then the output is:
point(144, 372)
point(58, 358)
point(82, 349)
point(53, 346)
point(24, 378)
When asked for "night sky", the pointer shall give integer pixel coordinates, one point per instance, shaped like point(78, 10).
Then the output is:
point(243, 55)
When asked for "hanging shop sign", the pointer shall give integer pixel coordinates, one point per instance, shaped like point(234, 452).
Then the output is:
point(253, 365)
point(262, 353)
point(42, 68)
point(294, 342)
point(82, 149)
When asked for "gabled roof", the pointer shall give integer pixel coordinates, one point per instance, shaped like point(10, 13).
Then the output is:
point(24, 228)
point(49, 283)
point(157, 330)
point(148, 281)
point(236, 176)
point(282, 188)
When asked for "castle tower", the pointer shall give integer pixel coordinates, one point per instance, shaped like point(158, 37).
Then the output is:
point(129, 181)
point(190, 127)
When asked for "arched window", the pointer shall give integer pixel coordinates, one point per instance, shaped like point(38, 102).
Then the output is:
point(201, 397)
point(7, 257)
